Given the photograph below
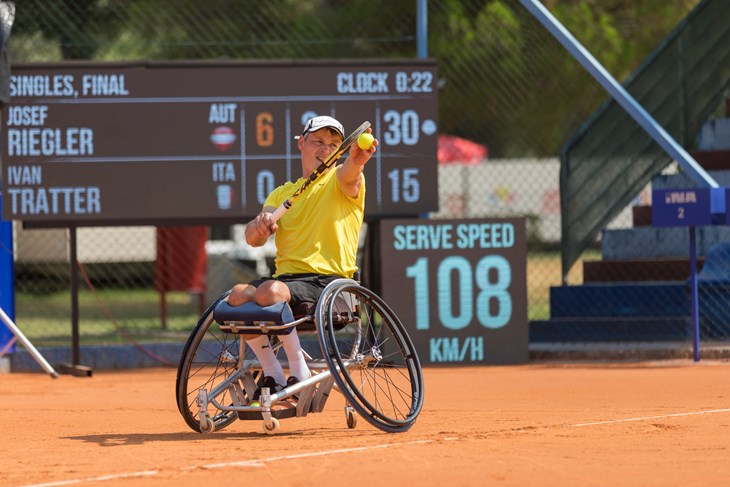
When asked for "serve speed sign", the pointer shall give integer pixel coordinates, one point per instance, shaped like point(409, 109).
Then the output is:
point(459, 286)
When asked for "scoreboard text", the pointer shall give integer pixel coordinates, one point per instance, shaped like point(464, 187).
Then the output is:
point(204, 142)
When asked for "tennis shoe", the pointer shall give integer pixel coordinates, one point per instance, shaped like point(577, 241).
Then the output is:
point(266, 382)
point(290, 382)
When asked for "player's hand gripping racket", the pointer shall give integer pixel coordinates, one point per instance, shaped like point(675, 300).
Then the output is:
point(331, 159)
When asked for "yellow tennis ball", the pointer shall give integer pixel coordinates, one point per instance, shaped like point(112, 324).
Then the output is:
point(365, 141)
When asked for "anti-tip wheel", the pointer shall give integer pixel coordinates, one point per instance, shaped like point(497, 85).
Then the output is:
point(208, 427)
point(351, 417)
point(270, 427)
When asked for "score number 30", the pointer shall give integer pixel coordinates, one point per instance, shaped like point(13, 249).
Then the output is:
point(403, 128)
point(466, 278)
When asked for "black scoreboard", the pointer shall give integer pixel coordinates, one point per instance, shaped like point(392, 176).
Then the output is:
point(204, 142)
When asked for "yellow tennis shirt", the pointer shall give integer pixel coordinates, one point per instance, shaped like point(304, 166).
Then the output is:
point(320, 232)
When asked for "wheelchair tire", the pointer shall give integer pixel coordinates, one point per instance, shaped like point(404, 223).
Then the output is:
point(209, 357)
point(372, 358)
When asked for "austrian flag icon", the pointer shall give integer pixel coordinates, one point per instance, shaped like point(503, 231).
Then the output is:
point(223, 138)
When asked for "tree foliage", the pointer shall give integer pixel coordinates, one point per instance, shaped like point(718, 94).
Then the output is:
point(504, 80)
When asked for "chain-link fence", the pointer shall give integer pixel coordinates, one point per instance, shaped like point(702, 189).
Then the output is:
point(505, 84)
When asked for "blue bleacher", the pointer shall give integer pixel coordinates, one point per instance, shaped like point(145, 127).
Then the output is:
point(614, 300)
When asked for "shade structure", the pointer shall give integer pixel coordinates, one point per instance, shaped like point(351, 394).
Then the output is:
point(457, 150)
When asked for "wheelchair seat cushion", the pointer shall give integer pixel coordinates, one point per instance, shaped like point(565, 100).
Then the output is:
point(251, 314)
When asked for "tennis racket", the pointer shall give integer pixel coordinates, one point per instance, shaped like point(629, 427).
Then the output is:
point(331, 159)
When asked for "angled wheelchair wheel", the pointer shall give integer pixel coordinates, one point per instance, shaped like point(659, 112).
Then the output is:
point(209, 358)
point(370, 355)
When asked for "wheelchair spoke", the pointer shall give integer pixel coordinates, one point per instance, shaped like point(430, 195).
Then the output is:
point(377, 364)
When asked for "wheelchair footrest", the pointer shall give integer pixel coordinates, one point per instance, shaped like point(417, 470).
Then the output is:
point(284, 413)
point(250, 318)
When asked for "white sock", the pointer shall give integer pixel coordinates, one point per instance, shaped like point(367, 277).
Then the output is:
point(297, 363)
point(271, 366)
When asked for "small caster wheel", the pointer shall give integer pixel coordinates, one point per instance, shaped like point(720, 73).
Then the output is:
point(271, 427)
point(208, 427)
point(351, 417)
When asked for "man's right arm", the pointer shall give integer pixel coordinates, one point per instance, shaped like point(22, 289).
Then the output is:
point(260, 228)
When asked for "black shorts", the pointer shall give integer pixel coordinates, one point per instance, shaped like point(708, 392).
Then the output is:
point(304, 288)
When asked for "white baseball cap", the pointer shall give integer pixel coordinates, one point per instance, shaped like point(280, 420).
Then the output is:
point(320, 122)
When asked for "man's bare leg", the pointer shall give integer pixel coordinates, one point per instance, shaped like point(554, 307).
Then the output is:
point(243, 293)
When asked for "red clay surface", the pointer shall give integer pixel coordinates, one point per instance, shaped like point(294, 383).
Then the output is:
point(661, 423)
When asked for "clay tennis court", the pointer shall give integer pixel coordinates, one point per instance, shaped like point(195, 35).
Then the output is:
point(657, 423)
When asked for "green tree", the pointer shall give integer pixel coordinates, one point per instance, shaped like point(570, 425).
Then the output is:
point(69, 29)
point(504, 80)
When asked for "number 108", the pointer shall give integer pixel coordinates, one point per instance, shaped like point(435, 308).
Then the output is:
point(488, 292)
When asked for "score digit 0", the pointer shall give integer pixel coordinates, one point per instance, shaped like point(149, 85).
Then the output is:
point(264, 129)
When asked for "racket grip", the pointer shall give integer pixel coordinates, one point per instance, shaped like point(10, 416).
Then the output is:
point(279, 212)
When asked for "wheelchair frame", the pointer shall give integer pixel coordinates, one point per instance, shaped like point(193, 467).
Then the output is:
point(366, 355)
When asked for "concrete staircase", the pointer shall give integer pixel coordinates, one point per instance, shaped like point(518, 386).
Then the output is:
point(639, 290)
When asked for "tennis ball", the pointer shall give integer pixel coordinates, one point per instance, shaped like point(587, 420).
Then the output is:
point(365, 141)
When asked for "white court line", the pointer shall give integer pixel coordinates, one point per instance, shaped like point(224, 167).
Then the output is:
point(246, 463)
point(146, 473)
point(693, 413)
point(261, 462)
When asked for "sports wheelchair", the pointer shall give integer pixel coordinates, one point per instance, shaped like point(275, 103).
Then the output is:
point(364, 353)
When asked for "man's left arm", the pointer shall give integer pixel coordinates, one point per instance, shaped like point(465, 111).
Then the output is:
point(349, 174)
